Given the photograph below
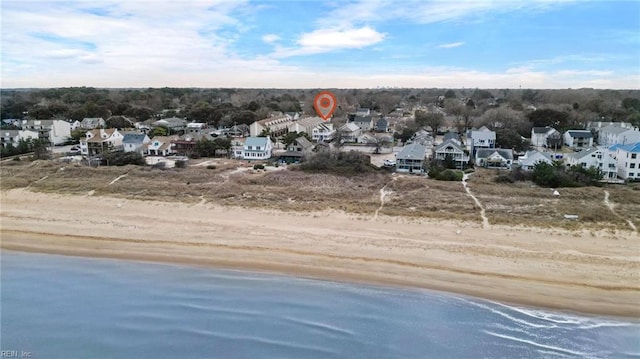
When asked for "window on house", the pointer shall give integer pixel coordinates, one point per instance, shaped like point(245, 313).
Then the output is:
point(633, 155)
point(631, 174)
point(250, 147)
point(633, 165)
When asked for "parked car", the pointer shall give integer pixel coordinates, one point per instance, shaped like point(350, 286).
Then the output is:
point(389, 163)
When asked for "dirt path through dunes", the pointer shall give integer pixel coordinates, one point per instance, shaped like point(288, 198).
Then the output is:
point(117, 179)
point(485, 220)
point(610, 205)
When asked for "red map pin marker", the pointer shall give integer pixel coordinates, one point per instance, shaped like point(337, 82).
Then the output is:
point(325, 103)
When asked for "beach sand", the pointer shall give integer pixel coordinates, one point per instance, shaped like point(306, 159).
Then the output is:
point(587, 272)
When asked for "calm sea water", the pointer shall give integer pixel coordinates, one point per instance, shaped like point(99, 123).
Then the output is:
point(68, 307)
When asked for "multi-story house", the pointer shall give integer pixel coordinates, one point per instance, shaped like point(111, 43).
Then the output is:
point(598, 157)
point(480, 138)
point(628, 161)
point(578, 139)
point(99, 141)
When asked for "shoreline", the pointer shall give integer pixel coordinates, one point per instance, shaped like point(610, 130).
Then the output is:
point(576, 273)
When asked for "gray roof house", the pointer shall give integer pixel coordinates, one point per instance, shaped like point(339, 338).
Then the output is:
point(494, 158)
point(528, 161)
point(89, 123)
point(452, 149)
point(411, 159)
point(134, 142)
point(364, 122)
point(382, 125)
point(297, 150)
point(578, 139)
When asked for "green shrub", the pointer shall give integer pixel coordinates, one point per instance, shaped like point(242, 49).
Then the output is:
point(258, 167)
point(211, 167)
point(504, 178)
point(123, 159)
point(450, 175)
point(340, 163)
point(16, 158)
point(181, 163)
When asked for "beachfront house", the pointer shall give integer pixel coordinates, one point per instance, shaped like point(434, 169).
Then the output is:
point(257, 148)
point(599, 157)
point(498, 158)
point(451, 150)
point(135, 142)
point(628, 161)
point(99, 141)
point(323, 132)
point(297, 150)
point(546, 137)
point(161, 146)
point(349, 132)
point(529, 160)
point(480, 138)
point(411, 159)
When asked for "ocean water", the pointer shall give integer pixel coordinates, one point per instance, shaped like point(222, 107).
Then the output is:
point(69, 307)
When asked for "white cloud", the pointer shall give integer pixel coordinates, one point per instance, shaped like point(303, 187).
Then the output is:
point(331, 39)
point(270, 38)
point(451, 45)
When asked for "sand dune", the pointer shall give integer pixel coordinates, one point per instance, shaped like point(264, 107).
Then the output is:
point(580, 271)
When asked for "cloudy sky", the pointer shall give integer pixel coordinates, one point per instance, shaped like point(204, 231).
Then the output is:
point(321, 44)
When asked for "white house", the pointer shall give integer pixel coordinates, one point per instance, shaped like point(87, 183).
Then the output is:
point(196, 127)
point(305, 125)
point(89, 123)
point(612, 135)
point(161, 146)
point(237, 145)
point(257, 148)
point(135, 142)
point(350, 132)
point(97, 141)
point(540, 136)
point(598, 157)
point(13, 137)
point(323, 132)
point(364, 122)
point(494, 158)
point(277, 125)
point(578, 139)
point(531, 158)
point(480, 138)
point(628, 161)
point(56, 131)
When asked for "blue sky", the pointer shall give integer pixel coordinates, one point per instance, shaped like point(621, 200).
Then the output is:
point(321, 44)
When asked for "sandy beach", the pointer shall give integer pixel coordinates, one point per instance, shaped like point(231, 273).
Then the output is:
point(588, 272)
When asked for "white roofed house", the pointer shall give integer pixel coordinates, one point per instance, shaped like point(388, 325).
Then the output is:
point(578, 139)
point(135, 142)
point(257, 148)
point(323, 132)
point(349, 132)
point(598, 157)
point(528, 161)
point(628, 161)
point(494, 158)
point(611, 135)
point(411, 159)
point(98, 141)
point(545, 136)
point(480, 138)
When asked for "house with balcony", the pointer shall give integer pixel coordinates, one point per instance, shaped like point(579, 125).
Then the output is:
point(546, 137)
point(411, 159)
point(480, 138)
point(135, 142)
point(57, 132)
point(451, 150)
point(323, 132)
point(161, 146)
point(99, 141)
point(578, 139)
point(257, 148)
point(349, 132)
point(275, 125)
point(497, 158)
point(90, 123)
point(599, 157)
point(611, 135)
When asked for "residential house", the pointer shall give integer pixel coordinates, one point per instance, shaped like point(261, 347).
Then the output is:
point(323, 132)
point(161, 146)
point(98, 141)
point(611, 135)
point(528, 161)
point(13, 137)
point(578, 139)
point(411, 159)
point(276, 125)
point(349, 132)
point(186, 144)
point(196, 127)
point(423, 137)
point(480, 138)
point(75, 125)
point(90, 123)
point(237, 145)
point(367, 139)
point(365, 123)
point(174, 124)
point(546, 137)
point(305, 125)
point(599, 157)
point(494, 158)
point(596, 126)
point(452, 150)
point(363, 112)
point(382, 125)
point(135, 142)
point(454, 136)
point(240, 130)
point(257, 148)
point(57, 132)
point(628, 161)
point(297, 150)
